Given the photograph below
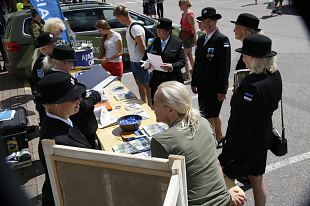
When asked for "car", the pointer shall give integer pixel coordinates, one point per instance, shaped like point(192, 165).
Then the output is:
point(81, 18)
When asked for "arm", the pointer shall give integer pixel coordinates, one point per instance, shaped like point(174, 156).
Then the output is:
point(158, 150)
point(195, 74)
point(140, 44)
point(224, 65)
point(119, 47)
point(191, 21)
point(241, 125)
point(89, 102)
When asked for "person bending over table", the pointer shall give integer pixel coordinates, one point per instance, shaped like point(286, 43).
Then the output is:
point(61, 97)
point(191, 135)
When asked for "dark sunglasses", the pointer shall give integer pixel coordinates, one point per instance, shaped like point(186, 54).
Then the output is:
point(76, 99)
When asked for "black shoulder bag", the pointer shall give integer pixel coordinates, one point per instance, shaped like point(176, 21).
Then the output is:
point(279, 143)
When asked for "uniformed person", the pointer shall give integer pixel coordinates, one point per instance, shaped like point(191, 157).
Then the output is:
point(36, 27)
point(61, 96)
point(45, 42)
point(245, 25)
point(63, 61)
point(211, 69)
point(249, 131)
point(172, 53)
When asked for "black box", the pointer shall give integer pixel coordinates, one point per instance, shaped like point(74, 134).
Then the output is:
point(13, 133)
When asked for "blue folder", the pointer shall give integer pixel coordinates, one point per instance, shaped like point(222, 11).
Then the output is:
point(93, 76)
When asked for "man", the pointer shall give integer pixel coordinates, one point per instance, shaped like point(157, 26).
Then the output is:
point(136, 49)
point(172, 53)
point(211, 69)
point(36, 27)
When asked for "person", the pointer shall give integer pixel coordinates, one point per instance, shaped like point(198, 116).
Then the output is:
point(245, 25)
point(61, 96)
point(136, 50)
point(172, 53)
point(62, 59)
point(277, 7)
point(249, 131)
point(55, 26)
point(110, 49)
point(46, 43)
point(211, 69)
point(145, 5)
point(2, 32)
point(160, 8)
point(190, 135)
point(187, 34)
point(152, 8)
point(36, 27)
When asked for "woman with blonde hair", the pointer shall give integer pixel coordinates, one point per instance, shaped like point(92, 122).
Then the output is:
point(190, 135)
point(110, 49)
point(55, 26)
point(249, 132)
point(187, 34)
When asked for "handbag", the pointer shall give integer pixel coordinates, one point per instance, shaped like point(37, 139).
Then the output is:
point(279, 143)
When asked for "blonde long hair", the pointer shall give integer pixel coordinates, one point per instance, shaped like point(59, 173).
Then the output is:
point(175, 94)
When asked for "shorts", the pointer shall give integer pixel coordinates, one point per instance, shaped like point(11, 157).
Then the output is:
point(209, 106)
point(141, 75)
point(115, 68)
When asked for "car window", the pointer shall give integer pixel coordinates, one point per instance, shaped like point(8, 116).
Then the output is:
point(137, 17)
point(27, 25)
point(83, 20)
point(114, 24)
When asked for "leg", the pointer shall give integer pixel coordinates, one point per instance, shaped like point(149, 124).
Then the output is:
point(188, 53)
point(259, 190)
point(218, 128)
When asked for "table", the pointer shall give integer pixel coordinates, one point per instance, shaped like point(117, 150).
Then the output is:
point(110, 136)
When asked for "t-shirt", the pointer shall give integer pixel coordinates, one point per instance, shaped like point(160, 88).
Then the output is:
point(134, 53)
point(205, 181)
point(110, 47)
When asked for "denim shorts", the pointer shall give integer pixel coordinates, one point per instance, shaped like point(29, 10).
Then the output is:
point(140, 74)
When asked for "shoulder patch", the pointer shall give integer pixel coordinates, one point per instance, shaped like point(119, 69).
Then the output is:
point(248, 97)
point(40, 73)
point(226, 44)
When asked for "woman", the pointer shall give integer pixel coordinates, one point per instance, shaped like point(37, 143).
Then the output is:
point(192, 136)
point(110, 49)
point(62, 60)
point(55, 26)
point(61, 97)
point(246, 24)
point(187, 34)
point(249, 131)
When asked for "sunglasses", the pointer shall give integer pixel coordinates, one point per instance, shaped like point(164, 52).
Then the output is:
point(76, 99)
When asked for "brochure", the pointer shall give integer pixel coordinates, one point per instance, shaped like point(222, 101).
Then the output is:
point(125, 96)
point(155, 128)
point(138, 145)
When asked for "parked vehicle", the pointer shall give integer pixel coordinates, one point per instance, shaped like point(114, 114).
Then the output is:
point(80, 16)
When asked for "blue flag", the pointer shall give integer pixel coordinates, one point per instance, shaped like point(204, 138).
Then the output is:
point(50, 9)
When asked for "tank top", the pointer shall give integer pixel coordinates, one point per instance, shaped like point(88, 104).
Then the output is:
point(185, 25)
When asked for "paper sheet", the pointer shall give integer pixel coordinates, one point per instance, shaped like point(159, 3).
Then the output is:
point(156, 61)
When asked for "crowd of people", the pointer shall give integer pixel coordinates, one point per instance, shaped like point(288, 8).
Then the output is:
point(66, 109)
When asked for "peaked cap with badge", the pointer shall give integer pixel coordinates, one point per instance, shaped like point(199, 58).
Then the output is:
point(59, 87)
point(164, 23)
point(209, 13)
point(45, 38)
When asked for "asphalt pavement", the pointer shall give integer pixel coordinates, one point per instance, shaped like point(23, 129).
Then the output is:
point(287, 178)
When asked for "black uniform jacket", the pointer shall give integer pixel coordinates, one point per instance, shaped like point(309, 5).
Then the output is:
point(63, 134)
point(250, 124)
point(212, 65)
point(173, 54)
point(85, 119)
point(37, 73)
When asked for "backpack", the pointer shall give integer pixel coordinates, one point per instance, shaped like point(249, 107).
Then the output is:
point(148, 33)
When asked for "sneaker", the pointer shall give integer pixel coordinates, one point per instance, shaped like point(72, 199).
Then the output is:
point(279, 13)
point(273, 11)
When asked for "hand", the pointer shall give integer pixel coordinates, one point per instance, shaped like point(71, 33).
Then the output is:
point(221, 97)
point(237, 196)
point(194, 90)
point(167, 67)
point(104, 60)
